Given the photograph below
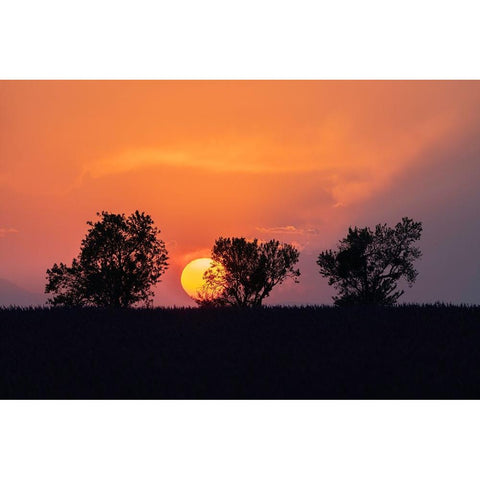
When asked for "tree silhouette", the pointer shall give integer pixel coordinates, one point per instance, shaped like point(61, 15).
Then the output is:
point(243, 273)
point(368, 264)
point(120, 260)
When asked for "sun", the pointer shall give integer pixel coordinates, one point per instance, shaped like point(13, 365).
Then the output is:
point(192, 276)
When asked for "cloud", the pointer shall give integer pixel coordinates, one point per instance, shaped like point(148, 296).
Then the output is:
point(6, 231)
point(353, 165)
point(290, 229)
point(240, 160)
point(182, 260)
point(244, 155)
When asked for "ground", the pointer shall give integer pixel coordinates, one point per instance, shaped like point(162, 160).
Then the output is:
point(268, 353)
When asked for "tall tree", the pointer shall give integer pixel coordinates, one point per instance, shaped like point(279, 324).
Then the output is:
point(243, 273)
point(121, 259)
point(366, 267)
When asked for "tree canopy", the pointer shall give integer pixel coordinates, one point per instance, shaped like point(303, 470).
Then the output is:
point(243, 273)
point(366, 267)
point(120, 260)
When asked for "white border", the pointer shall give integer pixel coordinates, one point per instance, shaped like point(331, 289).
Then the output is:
point(239, 440)
point(248, 39)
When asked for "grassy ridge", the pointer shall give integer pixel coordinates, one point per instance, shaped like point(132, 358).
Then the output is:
point(308, 352)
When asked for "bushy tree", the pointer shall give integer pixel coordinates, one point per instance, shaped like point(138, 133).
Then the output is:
point(121, 259)
point(368, 264)
point(243, 273)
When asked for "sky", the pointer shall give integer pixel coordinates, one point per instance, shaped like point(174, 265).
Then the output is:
point(298, 161)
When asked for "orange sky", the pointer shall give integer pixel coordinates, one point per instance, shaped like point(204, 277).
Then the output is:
point(295, 160)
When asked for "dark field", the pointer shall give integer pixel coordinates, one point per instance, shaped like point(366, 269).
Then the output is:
point(271, 353)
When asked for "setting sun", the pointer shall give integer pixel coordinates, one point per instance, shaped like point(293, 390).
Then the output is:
point(192, 276)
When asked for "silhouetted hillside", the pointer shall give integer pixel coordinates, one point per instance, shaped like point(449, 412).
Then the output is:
point(284, 353)
point(13, 295)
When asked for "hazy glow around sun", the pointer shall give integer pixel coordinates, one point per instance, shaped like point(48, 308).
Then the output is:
point(192, 275)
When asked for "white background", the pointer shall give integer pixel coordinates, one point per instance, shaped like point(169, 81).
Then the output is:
point(232, 439)
point(239, 39)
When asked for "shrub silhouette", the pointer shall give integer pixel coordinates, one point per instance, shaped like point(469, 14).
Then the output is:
point(243, 273)
point(120, 260)
point(368, 264)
